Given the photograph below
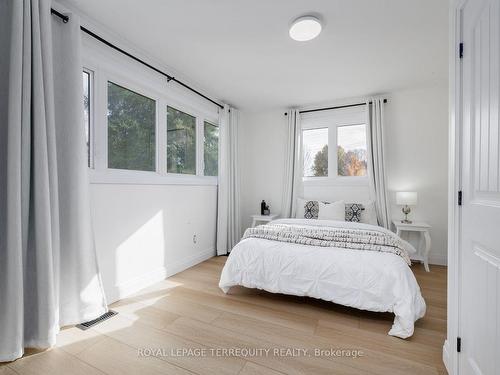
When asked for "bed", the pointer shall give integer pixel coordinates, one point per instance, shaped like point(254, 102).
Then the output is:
point(290, 256)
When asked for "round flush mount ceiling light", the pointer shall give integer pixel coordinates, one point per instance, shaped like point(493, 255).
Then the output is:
point(305, 28)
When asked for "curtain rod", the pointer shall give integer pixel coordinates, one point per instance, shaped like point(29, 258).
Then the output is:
point(338, 107)
point(65, 19)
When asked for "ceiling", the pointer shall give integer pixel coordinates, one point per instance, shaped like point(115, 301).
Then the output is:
point(239, 50)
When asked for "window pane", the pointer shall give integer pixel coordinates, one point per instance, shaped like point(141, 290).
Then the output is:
point(181, 142)
point(86, 111)
point(131, 130)
point(211, 154)
point(315, 145)
point(351, 150)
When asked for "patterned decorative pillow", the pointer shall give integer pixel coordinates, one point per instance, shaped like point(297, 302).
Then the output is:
point(311, 210)
point(353, 212)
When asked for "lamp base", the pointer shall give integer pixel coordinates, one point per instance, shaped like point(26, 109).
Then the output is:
point(406, 210)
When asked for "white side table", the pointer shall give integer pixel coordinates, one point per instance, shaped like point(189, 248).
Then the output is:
point(263, 218)
point(423, 248)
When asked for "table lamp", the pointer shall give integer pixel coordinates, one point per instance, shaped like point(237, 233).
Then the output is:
point(406, 199)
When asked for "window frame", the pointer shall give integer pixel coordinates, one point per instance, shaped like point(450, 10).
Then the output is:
point(136, 90)
point(337, 145)
point(315, 178)
point(333, 119)
point(197, 173)
point(105, 65)
point(203, 145)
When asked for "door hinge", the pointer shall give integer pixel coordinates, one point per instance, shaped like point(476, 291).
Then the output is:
point(460, 198)
point(459, 344)
point(461, 50)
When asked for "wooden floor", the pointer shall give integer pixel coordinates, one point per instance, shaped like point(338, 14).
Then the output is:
point(189, 312)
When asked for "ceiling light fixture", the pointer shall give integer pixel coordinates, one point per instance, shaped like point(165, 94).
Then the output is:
point(305, 28)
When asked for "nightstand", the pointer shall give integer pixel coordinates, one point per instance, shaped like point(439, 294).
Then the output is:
point(425, 239)
point(263, 218)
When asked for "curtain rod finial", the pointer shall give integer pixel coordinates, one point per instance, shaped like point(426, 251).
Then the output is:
point(64, 18)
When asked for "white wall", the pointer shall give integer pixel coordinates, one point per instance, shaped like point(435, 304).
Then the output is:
point(416, 149)
point(417, 158)
point(262, 149)
point(144, 233)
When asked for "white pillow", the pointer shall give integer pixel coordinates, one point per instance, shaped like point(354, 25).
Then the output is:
point(369, 214)
point(332, 211)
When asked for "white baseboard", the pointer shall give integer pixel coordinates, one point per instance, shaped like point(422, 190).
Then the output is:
point(438, 259)
point(132, 286)
point(173, 268)
point(129, 287)
point(446, 355)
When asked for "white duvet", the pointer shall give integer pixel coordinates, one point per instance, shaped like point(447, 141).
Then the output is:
point(367, 280)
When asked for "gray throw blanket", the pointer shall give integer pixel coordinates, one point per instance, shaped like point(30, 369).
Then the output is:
point(348, 238)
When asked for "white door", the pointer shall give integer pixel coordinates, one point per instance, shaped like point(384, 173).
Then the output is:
point(480, 213)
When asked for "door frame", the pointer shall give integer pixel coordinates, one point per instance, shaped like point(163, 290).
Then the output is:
point(450, 354)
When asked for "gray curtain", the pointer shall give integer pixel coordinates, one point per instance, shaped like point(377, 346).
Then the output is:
point(48, 269)
point(292, 170)
point(228, 194)
point(376, 161)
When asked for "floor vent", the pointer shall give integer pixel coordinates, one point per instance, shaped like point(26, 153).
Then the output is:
point(102, 318)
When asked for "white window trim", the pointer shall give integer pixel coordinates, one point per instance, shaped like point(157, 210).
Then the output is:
point(332, 119)
point(127, 177)
point(216, 124)
point(104, 65)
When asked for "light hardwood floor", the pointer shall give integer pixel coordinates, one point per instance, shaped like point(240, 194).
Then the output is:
point(188, 311)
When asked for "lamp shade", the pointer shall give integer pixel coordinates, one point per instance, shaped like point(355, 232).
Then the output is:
point(406, 198)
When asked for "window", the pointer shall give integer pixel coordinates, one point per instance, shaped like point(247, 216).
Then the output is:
point(334, 147)
point(315, 148)
point(181, 142)
point(211, 149)
point(351, 150)
point(86, 112)
point(131, 130)
point(140, 132)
